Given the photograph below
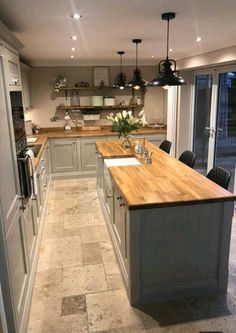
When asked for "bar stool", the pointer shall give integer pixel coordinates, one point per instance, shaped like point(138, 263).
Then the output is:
point(220, 176)
point(165, 146)
point(188, 157)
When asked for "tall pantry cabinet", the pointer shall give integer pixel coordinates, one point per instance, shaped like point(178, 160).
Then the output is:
point(16, 237)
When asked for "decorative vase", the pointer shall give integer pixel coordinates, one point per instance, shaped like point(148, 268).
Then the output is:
point(125, 141)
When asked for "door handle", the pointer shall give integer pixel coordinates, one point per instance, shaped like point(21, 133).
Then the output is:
point(219, 129)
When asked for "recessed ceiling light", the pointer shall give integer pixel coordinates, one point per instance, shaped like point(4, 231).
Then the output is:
point(73, 49)
point(152, 56)
point(72, 56)
point(170, 50)
point(76, 16)
point(74, 37)
point(198, 39)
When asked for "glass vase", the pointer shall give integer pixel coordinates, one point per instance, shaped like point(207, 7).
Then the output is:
point(125, 141)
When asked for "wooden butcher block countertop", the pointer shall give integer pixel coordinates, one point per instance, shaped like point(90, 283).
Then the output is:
point(59, 133)
point(165, 182)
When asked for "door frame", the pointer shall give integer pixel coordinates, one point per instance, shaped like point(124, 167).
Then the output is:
point(215, 72)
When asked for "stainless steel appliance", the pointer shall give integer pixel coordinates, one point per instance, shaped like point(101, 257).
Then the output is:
point(24, 161)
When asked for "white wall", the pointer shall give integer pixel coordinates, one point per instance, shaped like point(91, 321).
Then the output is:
point(45, 101)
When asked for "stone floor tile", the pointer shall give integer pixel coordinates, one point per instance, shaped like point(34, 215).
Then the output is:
point(54, 219)
point(102, 233)
point(73, 304)
point(139, 328)
point(91, 254)
point(83, 280)
point(57, 207)
point(57, 195)
point(50, 254)
point(72, 232)
point(71, 254)
point(47, 277)
point(52, 230)
point(78, 220)
point(110, 309)
point(114, 281)
point(88, 235)
point(76, 323)
point(109, 259)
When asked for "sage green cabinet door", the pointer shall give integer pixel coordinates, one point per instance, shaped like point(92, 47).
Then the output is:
point(119, 223)
point(9, 183)
point(88, 153)
point(13, 68)
point(64, 155)
point(18, 266)
point(30, 230)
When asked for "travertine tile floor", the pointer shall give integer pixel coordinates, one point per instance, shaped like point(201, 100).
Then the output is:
point(78, 287)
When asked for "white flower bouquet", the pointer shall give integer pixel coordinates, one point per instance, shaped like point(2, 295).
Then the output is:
point(124, 123)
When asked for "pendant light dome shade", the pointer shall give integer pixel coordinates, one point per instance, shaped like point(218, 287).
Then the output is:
point(121, 77)
point(167, 75)
point(137, 81)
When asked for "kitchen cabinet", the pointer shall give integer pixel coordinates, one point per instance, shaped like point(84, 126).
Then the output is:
point(13, 68)
point(88, 150)
point(25, 70)
point(155, 139)
point(119, 223)
point(43, 175)
point(18, 264)
point(64, 155)
point(30, 229)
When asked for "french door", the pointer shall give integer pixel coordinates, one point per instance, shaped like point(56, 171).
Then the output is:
point(214, 120)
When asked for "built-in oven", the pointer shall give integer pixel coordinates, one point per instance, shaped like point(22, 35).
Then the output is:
point(18, 120)
point(24, 158)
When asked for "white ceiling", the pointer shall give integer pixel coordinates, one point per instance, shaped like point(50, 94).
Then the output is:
point(45, 27)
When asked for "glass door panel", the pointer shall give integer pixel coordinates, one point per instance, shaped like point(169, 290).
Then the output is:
point(202, 116)
point(225, 144)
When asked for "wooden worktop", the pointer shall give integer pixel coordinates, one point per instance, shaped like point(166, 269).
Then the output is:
point(166, 182)
point(59, 133)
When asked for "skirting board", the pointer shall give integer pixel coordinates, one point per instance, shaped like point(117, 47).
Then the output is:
point(26, 312)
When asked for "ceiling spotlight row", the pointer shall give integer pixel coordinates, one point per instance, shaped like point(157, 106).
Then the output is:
point(75, 16)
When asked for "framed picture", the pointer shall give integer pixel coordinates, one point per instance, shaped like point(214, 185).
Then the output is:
point(101, 76)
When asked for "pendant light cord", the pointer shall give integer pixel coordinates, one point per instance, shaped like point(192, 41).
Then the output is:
point(167, 51)
point(121, 63)
point(136, 55)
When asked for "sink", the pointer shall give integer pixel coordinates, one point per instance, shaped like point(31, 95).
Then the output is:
point(111, 162)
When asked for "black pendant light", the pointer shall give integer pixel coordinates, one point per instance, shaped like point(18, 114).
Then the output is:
point(121, 77)
point(167, 75)
point(137, 81)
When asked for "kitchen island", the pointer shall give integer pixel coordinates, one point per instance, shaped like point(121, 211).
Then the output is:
point(170, 226)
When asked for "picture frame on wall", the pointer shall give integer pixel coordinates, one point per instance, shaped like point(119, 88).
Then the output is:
point(101, 76)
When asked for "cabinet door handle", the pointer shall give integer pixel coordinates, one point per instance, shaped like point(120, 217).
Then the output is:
point(43, 168)
point(44, 185)
point(109, 196)
point(122, 204)
point(118, 198)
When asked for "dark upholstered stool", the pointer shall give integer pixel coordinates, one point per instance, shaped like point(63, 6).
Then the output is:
point(165, 146)
point(220, 176)
point(188, 157)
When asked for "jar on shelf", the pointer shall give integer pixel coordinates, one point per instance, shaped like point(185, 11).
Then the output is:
point(74, 98)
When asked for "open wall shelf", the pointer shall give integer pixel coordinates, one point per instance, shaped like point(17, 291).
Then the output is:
point(90, 107)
